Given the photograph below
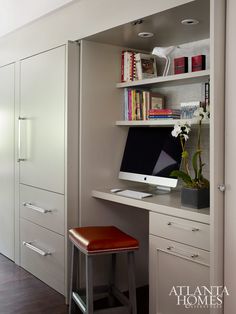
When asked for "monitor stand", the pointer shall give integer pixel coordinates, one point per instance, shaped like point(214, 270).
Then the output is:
point(159, 189)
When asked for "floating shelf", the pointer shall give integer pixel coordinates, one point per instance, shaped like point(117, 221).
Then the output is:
point(177, 79)
point(158, 122)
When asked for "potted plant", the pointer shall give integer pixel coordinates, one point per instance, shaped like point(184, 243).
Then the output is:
point(195, 191)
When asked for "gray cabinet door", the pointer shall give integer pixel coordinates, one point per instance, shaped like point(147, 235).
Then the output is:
point(41, 124)
point(174, 266)
point(7, 160)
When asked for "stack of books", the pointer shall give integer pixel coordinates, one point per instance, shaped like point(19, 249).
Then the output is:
point(137, 66)
point(164, 114)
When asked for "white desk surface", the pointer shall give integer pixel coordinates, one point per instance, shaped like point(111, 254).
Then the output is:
point(168, 204)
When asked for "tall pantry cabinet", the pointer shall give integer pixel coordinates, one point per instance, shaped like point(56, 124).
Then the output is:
point(7, 107)
point(47, 149)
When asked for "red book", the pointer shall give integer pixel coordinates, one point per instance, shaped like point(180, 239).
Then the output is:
point(181, 65)
point(163, 111)
point(198, 63)
point(122, 66)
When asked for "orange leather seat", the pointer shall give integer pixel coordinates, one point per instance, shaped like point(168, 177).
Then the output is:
point(102, 239)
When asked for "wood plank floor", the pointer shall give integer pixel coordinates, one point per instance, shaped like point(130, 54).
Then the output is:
point(22, 293)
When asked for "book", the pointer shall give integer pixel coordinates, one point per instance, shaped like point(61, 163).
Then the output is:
point(128, 66)
point(181, 65)
point(122, 66)
point(164, 111)
point(164, 117)
point(145, 66)
point(207, 94)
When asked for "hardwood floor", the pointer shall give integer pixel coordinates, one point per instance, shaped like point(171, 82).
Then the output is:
point(22, 293)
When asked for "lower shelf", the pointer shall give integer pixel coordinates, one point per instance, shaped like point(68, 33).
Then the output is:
point(158, 122)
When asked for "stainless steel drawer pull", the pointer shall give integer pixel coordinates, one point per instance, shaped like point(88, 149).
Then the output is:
point(36, 208)
point(36, 249)
point(183, 227)
point(182, 252)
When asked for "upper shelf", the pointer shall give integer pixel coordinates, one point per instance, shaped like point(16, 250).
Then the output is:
point(177, 79)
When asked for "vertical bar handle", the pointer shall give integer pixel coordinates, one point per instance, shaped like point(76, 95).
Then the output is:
point(20, 119)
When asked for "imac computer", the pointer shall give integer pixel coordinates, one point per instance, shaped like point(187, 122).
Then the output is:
point(150, 155)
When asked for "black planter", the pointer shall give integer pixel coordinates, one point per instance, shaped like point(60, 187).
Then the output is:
point(195, 198)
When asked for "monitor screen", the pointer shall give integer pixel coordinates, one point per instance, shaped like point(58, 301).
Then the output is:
point(150, 155)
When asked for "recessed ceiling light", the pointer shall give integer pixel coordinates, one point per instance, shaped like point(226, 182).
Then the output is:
point(189, 22)
point(145, 34)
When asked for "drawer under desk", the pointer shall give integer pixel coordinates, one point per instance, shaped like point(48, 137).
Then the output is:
point(181, 230)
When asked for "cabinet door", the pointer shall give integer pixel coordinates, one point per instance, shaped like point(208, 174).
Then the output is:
point(172, 265)
point(42, 112)
point(7, 160)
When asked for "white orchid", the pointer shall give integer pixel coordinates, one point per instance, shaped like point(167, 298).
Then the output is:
point(181, 129)
point(186, 137)
point(202, 115)
point(176, 131)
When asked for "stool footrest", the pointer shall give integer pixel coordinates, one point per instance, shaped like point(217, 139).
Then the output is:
point(96, 290)
point(120, 296)
point(78, 300)
point(115, 310)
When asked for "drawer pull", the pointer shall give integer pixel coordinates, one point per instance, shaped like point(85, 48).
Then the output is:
point(36, 249)
point(182, 252)
point(183, 227)
point(36, 208)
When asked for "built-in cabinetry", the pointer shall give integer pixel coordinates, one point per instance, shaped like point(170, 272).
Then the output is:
point(166, 247)
point(47, 140)
point(48, 161)
point(7, 156)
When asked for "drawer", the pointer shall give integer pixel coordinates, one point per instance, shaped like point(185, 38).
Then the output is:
point(42, 254)
point(179, 250)
point(42, 207)
point(181, 230)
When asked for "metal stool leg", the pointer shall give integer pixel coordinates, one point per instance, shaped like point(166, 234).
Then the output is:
point(73, 278)
point(89, 284)
point(132, 286)
point(111, 298)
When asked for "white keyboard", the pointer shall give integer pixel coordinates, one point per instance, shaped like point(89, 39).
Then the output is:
point(133, 194)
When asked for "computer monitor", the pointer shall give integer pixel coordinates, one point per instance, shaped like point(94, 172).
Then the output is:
point(150, 155)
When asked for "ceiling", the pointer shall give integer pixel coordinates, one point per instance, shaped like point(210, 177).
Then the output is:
point(17, 13)
point(166, 26)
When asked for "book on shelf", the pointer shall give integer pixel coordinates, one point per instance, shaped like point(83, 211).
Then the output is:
point(128, 68)
point(139, 105)
point(164, 114)
point(164, 117)
point(207, 94)
point(137, 66)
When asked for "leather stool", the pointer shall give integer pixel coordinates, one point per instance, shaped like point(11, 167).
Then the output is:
point(93, 241)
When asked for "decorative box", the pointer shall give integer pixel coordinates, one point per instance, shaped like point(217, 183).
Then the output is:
point(198, 63)
point(181, 65)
